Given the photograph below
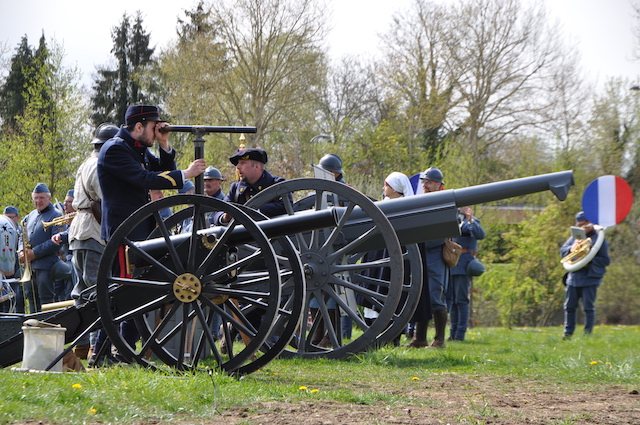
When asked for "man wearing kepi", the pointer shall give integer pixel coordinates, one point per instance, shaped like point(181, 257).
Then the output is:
point(253, 179)
point(127, 170)
point(584, 283)
point(42, 253)
point(433, 301)
point(470, 232)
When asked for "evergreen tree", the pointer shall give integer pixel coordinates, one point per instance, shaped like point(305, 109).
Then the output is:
point(12, 101)
point(115, 89)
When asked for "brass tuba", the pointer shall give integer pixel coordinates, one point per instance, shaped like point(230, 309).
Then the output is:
point(583, 252)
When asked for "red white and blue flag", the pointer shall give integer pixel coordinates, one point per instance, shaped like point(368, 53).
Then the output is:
point(607, 200)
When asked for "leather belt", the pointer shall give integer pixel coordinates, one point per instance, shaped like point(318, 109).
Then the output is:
point(466, 250)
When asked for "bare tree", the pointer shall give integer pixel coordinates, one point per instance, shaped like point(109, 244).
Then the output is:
point(499, 52)
point(276, 63)
point(415, 75)
point(350, 99)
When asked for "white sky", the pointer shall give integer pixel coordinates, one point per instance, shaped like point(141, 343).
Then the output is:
point(603, 28)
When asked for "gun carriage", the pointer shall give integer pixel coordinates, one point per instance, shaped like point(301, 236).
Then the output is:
point(260, 275)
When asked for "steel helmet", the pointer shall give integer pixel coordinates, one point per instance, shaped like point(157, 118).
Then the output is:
point(331, 162)
point(212, 173)
point(104, 132)
point(433, 174)
point(475, 267)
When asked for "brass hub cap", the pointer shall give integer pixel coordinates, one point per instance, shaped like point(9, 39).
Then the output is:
point(187, 288)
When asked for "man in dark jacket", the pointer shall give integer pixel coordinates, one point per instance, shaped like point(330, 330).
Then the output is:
point(127, 170)
point(253, 178)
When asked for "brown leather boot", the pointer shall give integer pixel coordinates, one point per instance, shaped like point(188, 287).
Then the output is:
point(82, 351)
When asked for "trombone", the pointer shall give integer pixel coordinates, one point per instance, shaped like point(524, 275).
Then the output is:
point(59, 221)
point(26, 275)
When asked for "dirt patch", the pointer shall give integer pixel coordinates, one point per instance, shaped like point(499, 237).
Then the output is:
point(454, 400)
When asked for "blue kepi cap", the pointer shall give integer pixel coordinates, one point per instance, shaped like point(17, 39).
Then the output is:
point(188, 185)
point(11, 210)
point(41, 188)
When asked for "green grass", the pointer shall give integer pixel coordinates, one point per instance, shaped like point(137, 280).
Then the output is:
point(129, 394)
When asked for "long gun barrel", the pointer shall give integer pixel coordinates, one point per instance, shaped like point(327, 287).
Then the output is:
point(433, 215)
point(415, 219)
point(201, 130)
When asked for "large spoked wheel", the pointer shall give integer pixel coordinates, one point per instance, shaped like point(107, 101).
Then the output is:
point(341, 278)
point(171, 286)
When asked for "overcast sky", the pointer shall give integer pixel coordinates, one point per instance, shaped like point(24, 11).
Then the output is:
point(603, 28)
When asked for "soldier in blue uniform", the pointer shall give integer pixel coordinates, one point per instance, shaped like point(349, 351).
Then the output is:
point(471, 231)
point(213, 183)
point(127, 169)
point(41, 251)
point(433, 303)
point(253, 178)
point(584, 283)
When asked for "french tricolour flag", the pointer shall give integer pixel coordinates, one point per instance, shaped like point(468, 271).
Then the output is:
point(607, 200)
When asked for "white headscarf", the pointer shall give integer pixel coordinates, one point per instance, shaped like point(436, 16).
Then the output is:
point(400, 183)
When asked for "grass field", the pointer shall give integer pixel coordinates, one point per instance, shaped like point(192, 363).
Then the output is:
point(379, 387)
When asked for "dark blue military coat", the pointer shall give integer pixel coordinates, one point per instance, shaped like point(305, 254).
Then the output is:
point(127, 170)
point(240, 192)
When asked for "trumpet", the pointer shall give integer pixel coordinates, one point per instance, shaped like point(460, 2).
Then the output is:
point(59, 221)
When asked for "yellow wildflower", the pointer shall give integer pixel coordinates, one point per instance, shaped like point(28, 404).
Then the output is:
point(92, 411)
point(76, 386)
point(302, 388)
point(415, 378)
point(315, 390)
point(593, 363)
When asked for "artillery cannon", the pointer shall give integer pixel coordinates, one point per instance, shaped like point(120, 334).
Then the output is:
point(261, 275)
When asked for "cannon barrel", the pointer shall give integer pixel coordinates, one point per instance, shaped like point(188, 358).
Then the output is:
point(415, 219)
point(431, 216)
point(273, 228)
point(206, 129)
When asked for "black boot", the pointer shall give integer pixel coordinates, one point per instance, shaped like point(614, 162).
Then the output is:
point(440, 320)
point(420, 335)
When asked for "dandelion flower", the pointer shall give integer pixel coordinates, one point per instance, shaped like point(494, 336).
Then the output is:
point(302, 388)
point(76, 386)
point(92, 411)
point(593, 363)
point(415, 378)
point(315, 390)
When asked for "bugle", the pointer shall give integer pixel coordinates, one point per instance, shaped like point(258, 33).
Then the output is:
point(59, 221)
